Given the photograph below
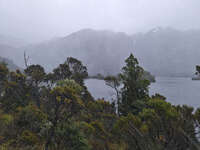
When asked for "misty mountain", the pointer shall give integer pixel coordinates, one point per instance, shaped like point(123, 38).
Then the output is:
point(102, 51)
point(162, 51)
point(168, 52)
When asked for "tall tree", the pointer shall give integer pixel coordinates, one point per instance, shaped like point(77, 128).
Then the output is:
point(135, 87)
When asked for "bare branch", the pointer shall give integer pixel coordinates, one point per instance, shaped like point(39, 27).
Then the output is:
point(26, 59)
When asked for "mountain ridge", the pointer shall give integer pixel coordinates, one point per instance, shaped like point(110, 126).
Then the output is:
point(162, 51)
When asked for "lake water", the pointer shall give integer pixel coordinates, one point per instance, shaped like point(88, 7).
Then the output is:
point(176, 90)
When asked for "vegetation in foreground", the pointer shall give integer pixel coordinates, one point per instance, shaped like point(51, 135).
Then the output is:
point(55, 111)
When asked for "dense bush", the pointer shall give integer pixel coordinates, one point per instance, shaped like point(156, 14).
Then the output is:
point(55, 111)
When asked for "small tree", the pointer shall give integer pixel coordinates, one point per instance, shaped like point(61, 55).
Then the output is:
point(78, 70)
point(114, 82)
point(63, 104)
point(70, 69)
point(61, 72)
point(36, 74)
point(197, 69)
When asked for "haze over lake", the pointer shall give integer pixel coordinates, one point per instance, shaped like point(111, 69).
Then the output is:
point(177, 90)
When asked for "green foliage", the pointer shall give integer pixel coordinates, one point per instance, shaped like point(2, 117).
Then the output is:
point(16, 92)
point(148, 76)
point(70, 137)
point(71, 84)
point(36, 73)
point(70, 69)
point(135, 87)
point(29, 138)
point(198, 69)
point(6, 119)
point(30, 117)
point(78, 70)
point(61, 72)
point(3, 76)
point(3, 72)
point(158, 96)
point(55, 111)
point(112, 81)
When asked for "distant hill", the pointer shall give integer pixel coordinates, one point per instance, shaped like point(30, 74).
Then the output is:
point(161, 51)
point(168, 52)
point(102, 51)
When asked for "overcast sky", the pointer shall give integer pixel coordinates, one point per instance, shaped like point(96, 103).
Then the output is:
point(43, 19)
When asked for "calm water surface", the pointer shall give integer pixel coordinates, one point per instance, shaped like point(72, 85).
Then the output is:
point(176, 90)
